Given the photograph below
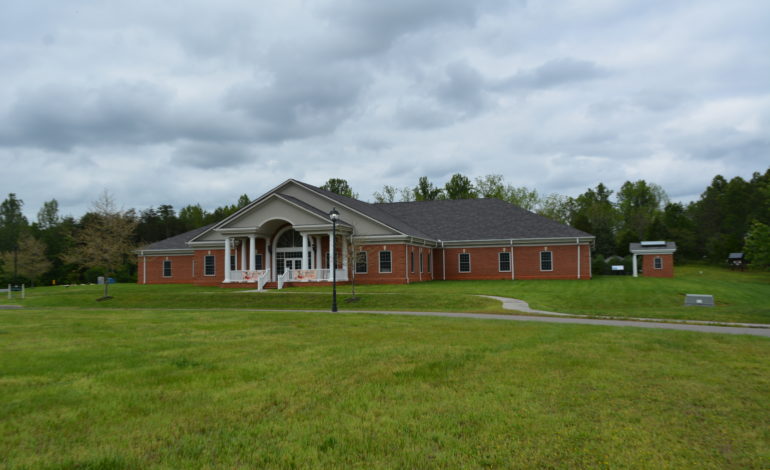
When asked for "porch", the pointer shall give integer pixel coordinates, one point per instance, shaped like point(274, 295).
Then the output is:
point(289, 275)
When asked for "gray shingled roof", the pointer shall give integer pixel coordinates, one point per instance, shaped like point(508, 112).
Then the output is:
point(652, 248)
point(177, 242)
point(373, 211)
point(477, 219)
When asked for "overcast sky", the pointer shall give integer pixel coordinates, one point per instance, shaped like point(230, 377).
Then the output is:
point(182, 102)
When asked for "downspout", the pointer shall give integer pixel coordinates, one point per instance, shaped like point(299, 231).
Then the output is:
point(406, 262)
point(144, 268)
point(443, 261)
point(513, 277)
point(577, 240)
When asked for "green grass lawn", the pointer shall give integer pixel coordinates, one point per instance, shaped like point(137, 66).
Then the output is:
point(152, 388)
point(740, 296)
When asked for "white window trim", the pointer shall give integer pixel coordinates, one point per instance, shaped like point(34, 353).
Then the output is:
point(258, 256)
point(499, 254)
point(170, 268)
point(655, 261)
point(429, 263)
point(422, 264)
point(460, 264)
point(379, 261)
point(366, 263)
point(541, 261)
point(213, 264)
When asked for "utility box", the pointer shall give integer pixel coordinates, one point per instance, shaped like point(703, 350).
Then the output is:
point(698, 300)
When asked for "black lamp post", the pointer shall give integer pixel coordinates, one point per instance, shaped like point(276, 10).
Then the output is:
point(334, 215)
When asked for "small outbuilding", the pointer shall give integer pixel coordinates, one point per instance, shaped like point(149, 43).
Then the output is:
point(736, 261)
point(657, 258)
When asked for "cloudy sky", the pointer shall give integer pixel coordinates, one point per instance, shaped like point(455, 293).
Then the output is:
point(192, 101)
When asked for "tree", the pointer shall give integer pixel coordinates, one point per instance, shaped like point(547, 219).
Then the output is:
point(523, 197)
point(594, 213)
point(243, 201)
point(30, 260)
point(106, 240)
point(460, 187)
point(388, 194)
point(757, 245)
point(48, 215)
point(12, 222)
point(491, 187)
point(339, 186)
point(192, 217)
point(425, 191)
point(557, 207)
point(639, 203)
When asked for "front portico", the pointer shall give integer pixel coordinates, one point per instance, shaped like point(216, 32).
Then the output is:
point(280, 240)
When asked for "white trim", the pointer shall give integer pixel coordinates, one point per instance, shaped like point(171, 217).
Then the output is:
point(379, 261)
point(460, 263)
point(499, 253)
point(213, 264)
point(655, 261)
point(366, 263)
point(541, 261)
point(170, 269)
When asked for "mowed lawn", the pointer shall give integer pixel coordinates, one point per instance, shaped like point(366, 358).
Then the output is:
point(224, 388)
point(740, 296)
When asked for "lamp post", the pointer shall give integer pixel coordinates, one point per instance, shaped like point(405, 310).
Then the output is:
point(334, 215)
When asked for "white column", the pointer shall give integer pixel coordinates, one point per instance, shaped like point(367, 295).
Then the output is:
point(268, 260)
point(252, 252)
point(318, 263)
point(634, 266)
point(345, 254)
point(227, 259)
point(331, 252)
point(243, 254)
point(304, 251)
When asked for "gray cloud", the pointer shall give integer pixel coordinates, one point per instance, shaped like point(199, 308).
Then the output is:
point(553, 73)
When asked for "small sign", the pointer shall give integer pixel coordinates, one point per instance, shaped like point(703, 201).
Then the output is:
point(618, 267)
point(699, 300)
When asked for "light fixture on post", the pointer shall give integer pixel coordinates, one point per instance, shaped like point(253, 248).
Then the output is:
point(334, 215)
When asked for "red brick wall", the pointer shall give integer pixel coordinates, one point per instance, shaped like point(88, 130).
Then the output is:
point(526, 262)
point(648, 266)
point(398, 256)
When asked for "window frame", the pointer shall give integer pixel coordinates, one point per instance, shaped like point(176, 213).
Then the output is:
point(213, 265)
point(460, 263)
point(258, 262)
point(390, 261)
point(167, 265)
point(429, 262)
point(411, 261)
point(500, 262)
point(422, 264)
point(657, 260)
point(550, 260)
point(365, 263)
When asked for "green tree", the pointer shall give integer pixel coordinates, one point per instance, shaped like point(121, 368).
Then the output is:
point(460, 187)
point(557, 207)
point(192, 217)
point(388, 194)
point(425, 191)
point(30, 259)
point(48, 215)
point(243, 201)
point(106, 241)
point(594, 213)
point(757, 245)
point(12, 222)
point(639, 203)
point(491, 187)
point(339, 186)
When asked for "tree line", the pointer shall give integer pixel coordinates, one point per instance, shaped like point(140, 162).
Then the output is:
point(730, 216)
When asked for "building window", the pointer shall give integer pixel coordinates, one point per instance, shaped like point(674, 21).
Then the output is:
point(361, 260)
point(658, 262)
point(167, 268)
point(546, 261)
point(421, 262)
point(258, 262)
point(504, 259)
point(208, 266)
point(465, 262)
point(386, 266)
point(232, 262)
point(411, 261)
point(429, 261)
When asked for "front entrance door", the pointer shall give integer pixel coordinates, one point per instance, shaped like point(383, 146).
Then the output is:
point(293, 263)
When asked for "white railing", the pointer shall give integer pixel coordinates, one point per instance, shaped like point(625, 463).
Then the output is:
point(314, 275)
point(284, 278)
point(263, 279)
point(245, 275)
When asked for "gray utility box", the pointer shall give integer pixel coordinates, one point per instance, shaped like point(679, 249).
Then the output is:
point(699, 300)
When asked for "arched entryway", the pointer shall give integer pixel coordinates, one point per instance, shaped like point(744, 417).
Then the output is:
point(288, 251)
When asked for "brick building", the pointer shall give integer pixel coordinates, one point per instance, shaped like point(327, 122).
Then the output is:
point(285, 237)
point(657, 258)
